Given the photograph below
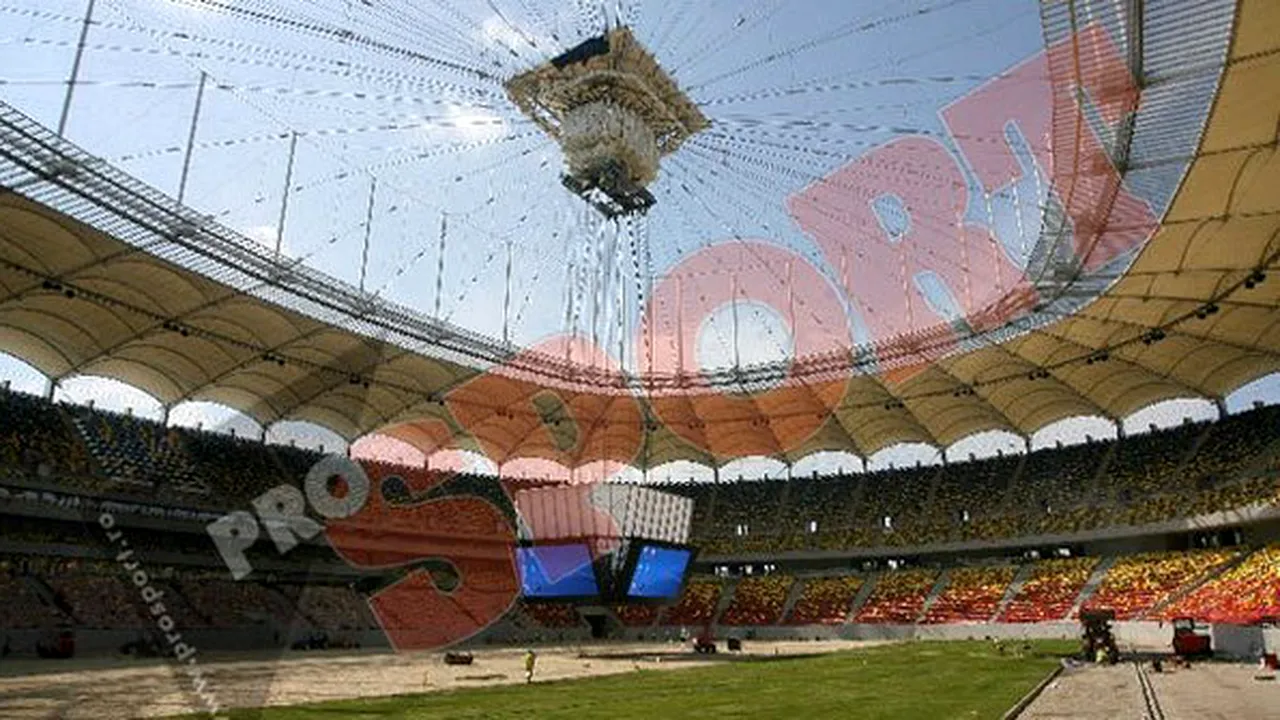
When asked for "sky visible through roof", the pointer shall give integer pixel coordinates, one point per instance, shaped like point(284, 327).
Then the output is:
point(420, 182)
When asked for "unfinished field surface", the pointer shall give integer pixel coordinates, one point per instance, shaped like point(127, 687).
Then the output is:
point(1206, 691)
point(106, 688)
point(913, 680)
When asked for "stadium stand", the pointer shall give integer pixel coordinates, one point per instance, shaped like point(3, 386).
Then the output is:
point(1243, 594)
point(1050, 491)
point(824, 601)
point(334, 607)
point(637, 615)
point(553, 616)
point(136, 450)
point(896, 503)
point(1050, 591)
point(235, 468)
point(23, 608)
point(697, 604)
point(971, 595)
point(758, 601)
point(1136, 584)
point(971, 497)
point(96, 593)
point(816, 510)
point(1226, 465)
point(1054, 488)
point(1142, 464)
point(230, 604)
point(86, 453)
point(35, 438)
point(898, 597)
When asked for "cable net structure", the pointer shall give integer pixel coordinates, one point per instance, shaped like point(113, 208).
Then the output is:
point(631, 232)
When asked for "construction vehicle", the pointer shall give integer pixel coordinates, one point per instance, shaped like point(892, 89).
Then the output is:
point(705, 643)
point(1188, 641)
point(1098, 643)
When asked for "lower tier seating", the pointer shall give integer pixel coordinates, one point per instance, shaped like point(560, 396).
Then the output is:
point(898, 597)
point(1136, 584)
point(697, 605)
point(1246, 593)
point(825, 601)
point(637, 615)
point(555, 616)
point(1050, 591)
point(758, 601)
point(971, 595)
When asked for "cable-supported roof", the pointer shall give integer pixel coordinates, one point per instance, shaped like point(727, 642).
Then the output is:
point(101, 275)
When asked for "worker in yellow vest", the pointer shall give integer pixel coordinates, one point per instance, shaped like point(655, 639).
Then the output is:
point(530, 659)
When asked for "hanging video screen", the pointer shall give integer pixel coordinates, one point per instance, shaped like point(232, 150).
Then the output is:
point(552, 572)
point(659, 571)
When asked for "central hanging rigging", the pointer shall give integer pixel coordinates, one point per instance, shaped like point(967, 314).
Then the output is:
point(615, 114)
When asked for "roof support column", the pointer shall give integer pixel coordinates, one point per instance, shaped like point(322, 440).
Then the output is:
point(1221, 403)
point(506, 301)
point(75, 70)
point(50, 389)
point(444, 231)
point(1134, 40)
point(284, 201)
point(733, 308)
point(191, 138)
point(368, 230)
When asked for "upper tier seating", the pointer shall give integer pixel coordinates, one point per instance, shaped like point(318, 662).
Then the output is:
point(971, 496)
point(133, 450)
point(1050, 491)
point(1053, 489)
point(36, 437)
point(1223, 466)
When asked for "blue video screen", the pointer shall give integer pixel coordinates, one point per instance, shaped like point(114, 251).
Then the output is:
point(659, 572)
point(556, 571)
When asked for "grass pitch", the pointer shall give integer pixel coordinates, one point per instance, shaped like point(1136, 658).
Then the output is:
point(913, 680)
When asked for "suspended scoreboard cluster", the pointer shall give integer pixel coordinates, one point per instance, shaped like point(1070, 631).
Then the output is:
point(615, 113)
point(603, 543)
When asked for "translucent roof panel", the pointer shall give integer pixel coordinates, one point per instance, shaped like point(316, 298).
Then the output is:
point(701, 232)
point(898, 176)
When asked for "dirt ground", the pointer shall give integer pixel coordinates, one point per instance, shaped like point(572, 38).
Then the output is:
point(106, 689)
point(1206, 691)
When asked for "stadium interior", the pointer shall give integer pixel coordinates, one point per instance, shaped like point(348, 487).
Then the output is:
point(573, 430)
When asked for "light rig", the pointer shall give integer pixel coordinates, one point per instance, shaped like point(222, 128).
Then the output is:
point(615, 114)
